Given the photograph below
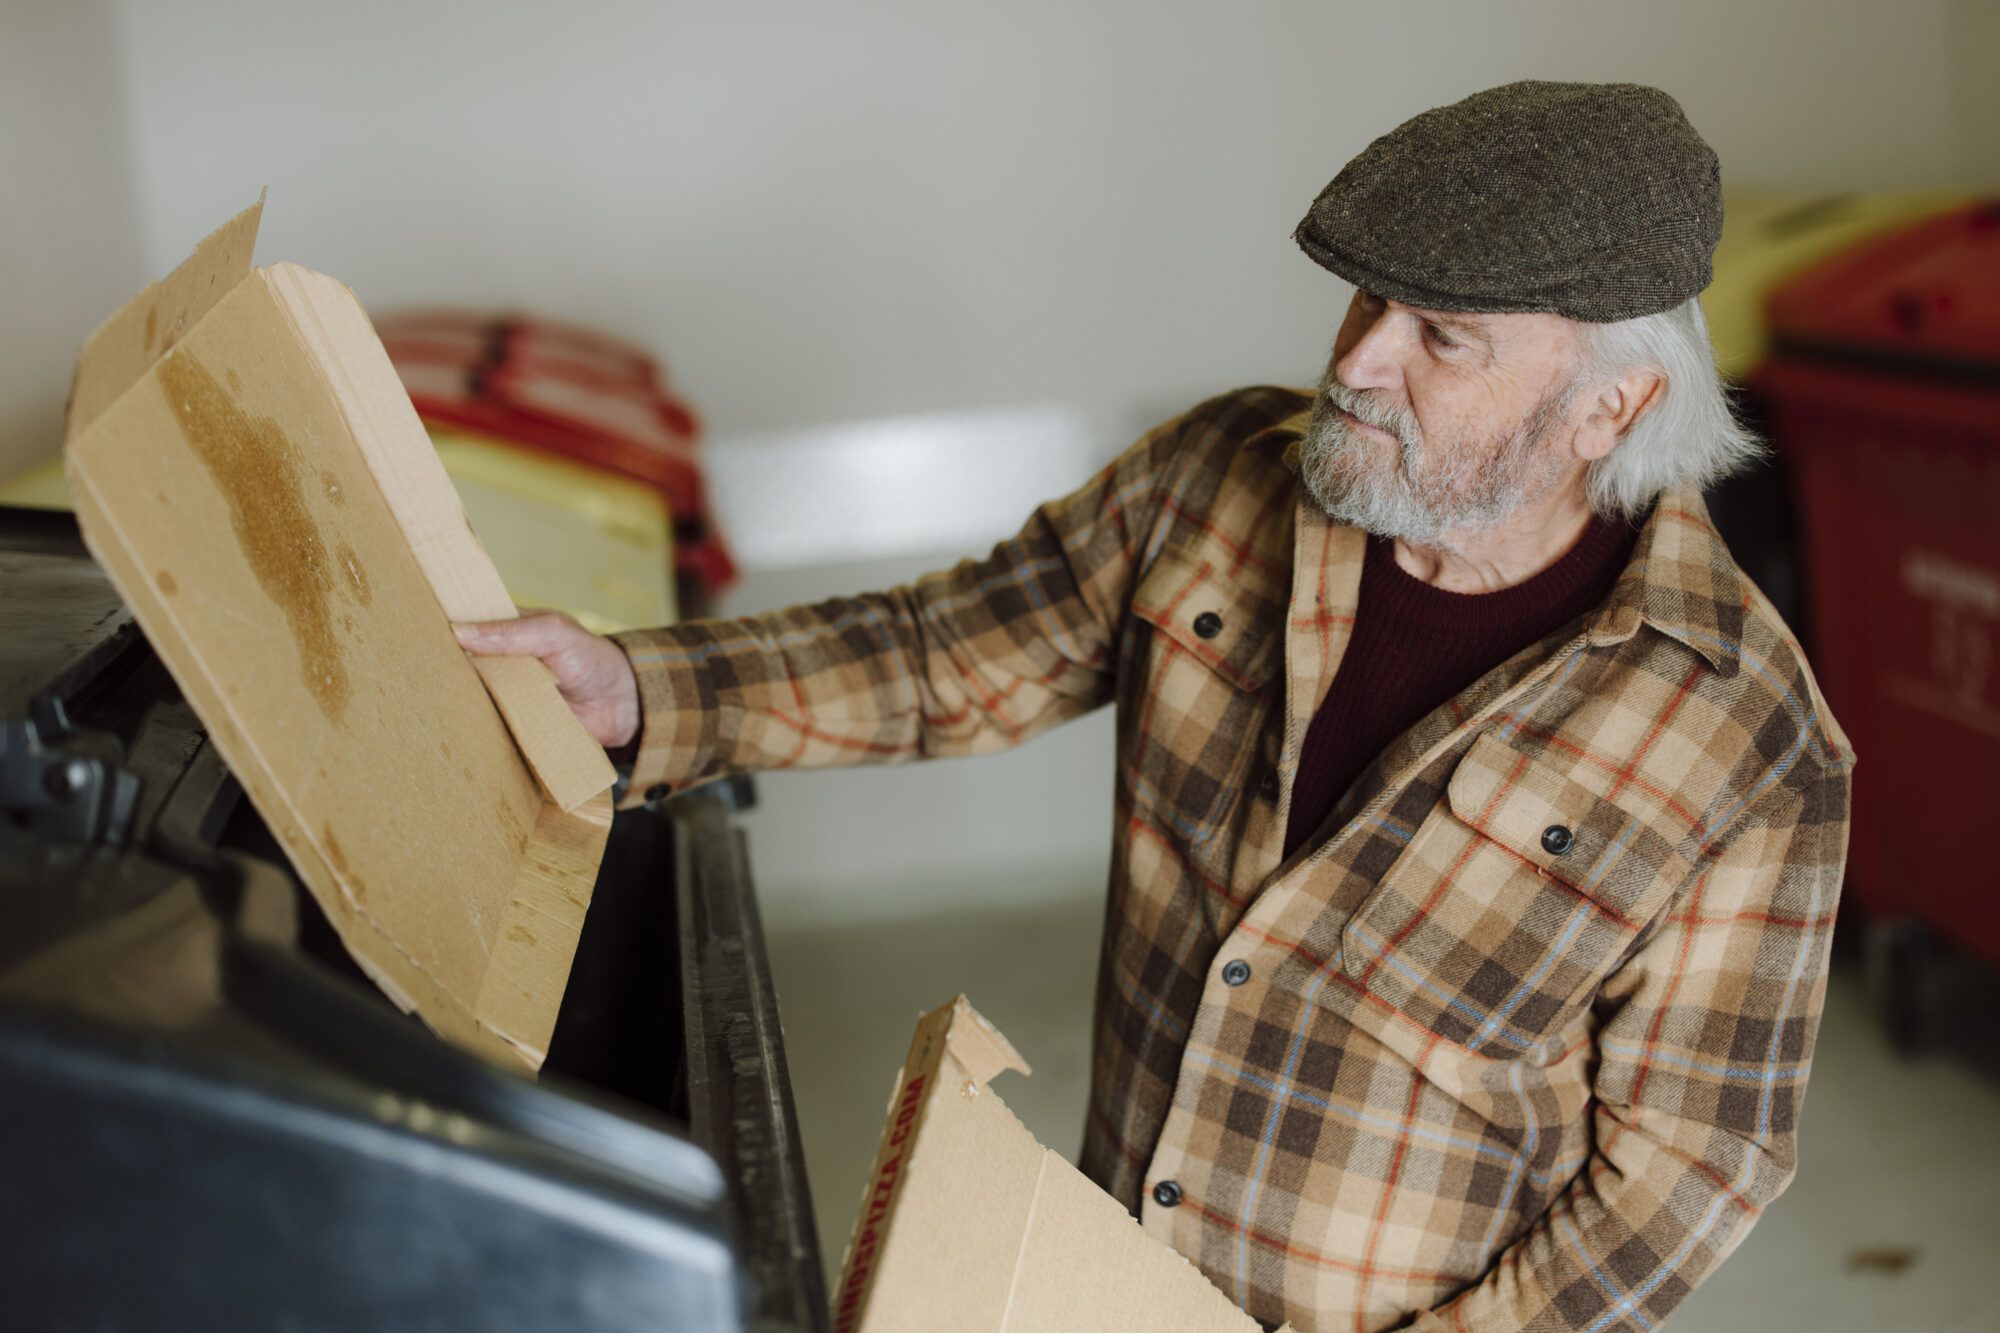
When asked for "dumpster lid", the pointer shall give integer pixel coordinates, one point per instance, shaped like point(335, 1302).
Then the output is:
point(1927, 293)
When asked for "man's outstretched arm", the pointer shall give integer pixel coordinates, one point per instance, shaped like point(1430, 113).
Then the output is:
point(965, 661)
point(1704, 1047)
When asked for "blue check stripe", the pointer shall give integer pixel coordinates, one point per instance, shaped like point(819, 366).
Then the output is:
point(1517, 1169)
point(1026, 578)
point(1163, 1020)
point(865, 617)
point(1282, 1091)
point(1517, 1162)
point(1542, 695)
point(1759, 1074)
point(1809, 725)
point(1565, 1226)
point(1401, 832)
point(1452, 1000)
point(1807, 946)
point(1491, 1027)
point(1629, 1304)
point(1578, 915)
point(1155, 806)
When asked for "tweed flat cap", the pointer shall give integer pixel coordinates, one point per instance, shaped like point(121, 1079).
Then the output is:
point(1593, 200)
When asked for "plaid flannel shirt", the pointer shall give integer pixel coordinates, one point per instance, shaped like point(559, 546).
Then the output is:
point(1445, 1065)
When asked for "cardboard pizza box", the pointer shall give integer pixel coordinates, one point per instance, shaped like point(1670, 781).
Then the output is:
point(969, 1224)
point(247, 468)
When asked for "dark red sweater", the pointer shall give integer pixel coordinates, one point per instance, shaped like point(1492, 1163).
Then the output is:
point(1416, 646)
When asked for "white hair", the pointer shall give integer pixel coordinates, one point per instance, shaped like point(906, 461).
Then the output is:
point(1688, 436)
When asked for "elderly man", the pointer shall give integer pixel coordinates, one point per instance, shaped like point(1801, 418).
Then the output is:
point(1479, 825)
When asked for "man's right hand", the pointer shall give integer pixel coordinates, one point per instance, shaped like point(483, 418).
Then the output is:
point(592, 672)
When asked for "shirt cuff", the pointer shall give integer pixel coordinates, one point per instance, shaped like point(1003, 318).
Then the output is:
point(664, 751)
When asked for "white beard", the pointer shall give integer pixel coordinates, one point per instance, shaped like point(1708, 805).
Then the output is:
point(1424, 493)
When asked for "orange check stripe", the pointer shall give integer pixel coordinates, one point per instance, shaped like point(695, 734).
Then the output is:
point(1449, 877)
point(1389, 1185)
point(1291, 1250)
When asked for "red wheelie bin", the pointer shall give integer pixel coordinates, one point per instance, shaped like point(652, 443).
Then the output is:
point(1884, 391)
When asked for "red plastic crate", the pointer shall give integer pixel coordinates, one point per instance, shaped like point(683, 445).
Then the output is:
point(565, 390)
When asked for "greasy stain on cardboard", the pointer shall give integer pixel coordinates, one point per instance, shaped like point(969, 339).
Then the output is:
point(357, 575)
point(256, 468)
point(336, 855)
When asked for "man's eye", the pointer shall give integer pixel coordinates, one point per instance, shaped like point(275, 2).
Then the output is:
point(1439, 336)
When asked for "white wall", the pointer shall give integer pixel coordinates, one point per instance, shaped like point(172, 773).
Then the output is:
point(837, 210)
point(823, 210)
point(71, 244)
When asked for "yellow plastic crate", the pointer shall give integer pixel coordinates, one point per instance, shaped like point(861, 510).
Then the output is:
point(562, 534)
point(566, 535)
point(40, 487)
point(1767, 236)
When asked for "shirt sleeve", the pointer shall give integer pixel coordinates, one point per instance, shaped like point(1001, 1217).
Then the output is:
point(1705, 1039)
point(964, 661)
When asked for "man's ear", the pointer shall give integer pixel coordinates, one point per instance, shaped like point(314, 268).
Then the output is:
point(1613, 410)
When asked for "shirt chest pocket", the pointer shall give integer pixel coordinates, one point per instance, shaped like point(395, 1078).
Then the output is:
point(1211, 649)
point(1513, 900)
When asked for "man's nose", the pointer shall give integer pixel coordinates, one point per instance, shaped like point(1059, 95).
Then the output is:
point(1373, 360)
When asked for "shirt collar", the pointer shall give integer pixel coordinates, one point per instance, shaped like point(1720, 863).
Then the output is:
point(1681, 579)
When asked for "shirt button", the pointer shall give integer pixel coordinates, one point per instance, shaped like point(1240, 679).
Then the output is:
point(1236, 971)
point(1556, 839)
point(1208, 624)
point(1166, 1194)
point(1268, 786)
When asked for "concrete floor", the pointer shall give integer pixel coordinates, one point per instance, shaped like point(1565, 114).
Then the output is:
point(1892, 1224)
